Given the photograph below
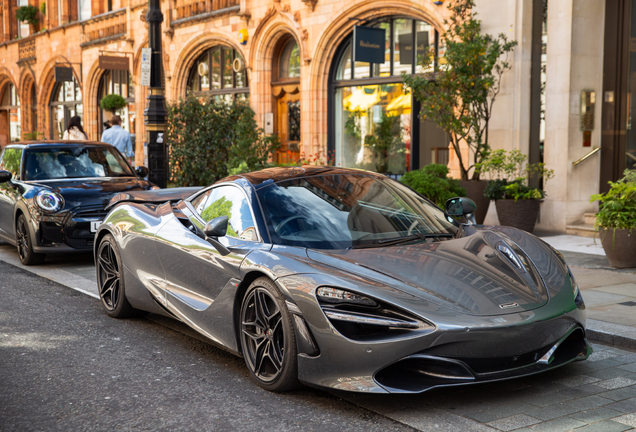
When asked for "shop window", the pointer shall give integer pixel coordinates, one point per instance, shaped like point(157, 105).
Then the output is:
point(10, 113)
point(219, 72)
point(118, 82)
point(66, 102)
point(373, 123)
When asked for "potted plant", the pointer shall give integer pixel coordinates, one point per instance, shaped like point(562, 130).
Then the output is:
point(460, 91)
point(28, 14)
point(517, 203)
point(112, 103)
point(616, 221)
point(433, 182)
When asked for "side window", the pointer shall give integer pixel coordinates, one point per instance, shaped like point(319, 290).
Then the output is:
point(230, 201)
point(10, 161)
point(200, 201)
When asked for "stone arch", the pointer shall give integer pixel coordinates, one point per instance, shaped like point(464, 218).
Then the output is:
point(27, 81)
point(276, 25)
point(5, 78)
point(191, 52)
point(47, 84)
point(89, 98)
point(329, 42)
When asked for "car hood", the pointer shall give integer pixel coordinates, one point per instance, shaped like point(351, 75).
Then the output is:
point(88, 192)
point(481, 274)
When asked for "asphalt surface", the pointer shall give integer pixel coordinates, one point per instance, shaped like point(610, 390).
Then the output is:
point(65, 365)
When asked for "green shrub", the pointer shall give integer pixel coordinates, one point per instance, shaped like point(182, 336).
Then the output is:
point(209, 139)
point(617, 207)
point(27, 14)
point(112, 102)
point(433, 182)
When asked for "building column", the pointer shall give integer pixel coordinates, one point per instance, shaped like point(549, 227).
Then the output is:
point(574, 64)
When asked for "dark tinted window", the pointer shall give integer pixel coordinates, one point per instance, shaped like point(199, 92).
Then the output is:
point(11, 161)
point(75, 162)
point(229, 201)
point(341, 211)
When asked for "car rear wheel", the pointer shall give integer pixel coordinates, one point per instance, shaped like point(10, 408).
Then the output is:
point(110, 280)
point(267, 337)
point(25, 246)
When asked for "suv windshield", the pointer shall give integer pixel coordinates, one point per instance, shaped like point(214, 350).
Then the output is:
point(74, 162)
point(344, 211)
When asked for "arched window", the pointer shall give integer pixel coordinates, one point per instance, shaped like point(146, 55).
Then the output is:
point(371, 116)
point(289, 63)
point(118, 82)
point(220, 71)
point(286, 91)
point(66, 102)
point(10, 114)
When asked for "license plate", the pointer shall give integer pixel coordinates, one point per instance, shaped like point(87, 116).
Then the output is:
point(95, 225)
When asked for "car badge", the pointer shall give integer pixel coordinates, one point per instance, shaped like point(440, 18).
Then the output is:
point(508, 305)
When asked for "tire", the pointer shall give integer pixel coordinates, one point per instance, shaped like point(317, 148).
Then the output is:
point(25, 245)
point(267, 337)
point(110, 280)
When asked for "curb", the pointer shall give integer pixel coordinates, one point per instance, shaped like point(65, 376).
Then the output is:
point(614, 335)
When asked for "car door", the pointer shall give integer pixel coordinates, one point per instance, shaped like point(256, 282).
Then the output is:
point(200, 282)
point(9, 161)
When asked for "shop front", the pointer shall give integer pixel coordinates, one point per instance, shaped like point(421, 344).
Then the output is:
point(373, 118)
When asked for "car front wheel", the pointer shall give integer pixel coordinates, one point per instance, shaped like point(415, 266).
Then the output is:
point(110, 280)
point(24, 244)
point(267, 337)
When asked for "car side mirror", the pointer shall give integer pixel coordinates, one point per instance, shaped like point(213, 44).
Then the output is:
point(142, 171)
point(5, 176)
point(462, 207)
point(214, 229)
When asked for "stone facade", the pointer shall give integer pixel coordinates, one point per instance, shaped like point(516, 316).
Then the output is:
point(575, 56)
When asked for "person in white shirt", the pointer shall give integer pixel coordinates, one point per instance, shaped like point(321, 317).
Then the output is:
point(118, 137)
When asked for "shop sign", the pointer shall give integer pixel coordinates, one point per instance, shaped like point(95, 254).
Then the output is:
point(369, 44)
point(63, 74)
point(146, 54)
point(113, 63)
point(405, 42)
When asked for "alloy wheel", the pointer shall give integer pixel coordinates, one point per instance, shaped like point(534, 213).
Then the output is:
point(109, 276)
point(22, 235)
point(263, 335)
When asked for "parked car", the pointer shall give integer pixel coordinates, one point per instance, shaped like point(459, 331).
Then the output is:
point(53, 194)
point(343, 279)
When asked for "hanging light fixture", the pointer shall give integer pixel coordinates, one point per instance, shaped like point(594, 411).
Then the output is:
point(438, 2)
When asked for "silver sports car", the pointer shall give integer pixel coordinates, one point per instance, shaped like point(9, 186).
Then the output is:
point(343, 279)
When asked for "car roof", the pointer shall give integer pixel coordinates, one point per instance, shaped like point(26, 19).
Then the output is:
point(56, 143)
point(274, 175)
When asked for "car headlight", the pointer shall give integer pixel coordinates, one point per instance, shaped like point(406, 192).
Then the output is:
point(335, 295)
point(49, 201)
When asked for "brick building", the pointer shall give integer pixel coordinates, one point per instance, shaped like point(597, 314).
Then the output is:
point(296, 69)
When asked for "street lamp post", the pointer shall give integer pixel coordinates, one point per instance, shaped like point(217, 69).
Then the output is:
point(155, 113)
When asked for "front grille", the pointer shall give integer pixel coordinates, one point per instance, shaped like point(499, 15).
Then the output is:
point(78, 225)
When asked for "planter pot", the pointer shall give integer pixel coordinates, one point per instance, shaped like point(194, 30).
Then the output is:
point(521, 214)
point(475, 191)
point(619, 246)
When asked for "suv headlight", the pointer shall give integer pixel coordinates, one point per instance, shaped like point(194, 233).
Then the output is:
point(49, 201)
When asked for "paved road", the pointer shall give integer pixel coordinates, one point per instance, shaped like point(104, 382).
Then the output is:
point(64, 365)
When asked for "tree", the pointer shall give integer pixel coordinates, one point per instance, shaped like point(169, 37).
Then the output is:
point(210, 137)
point(459, 94)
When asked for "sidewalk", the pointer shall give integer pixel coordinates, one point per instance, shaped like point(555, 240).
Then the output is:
point(609, 294)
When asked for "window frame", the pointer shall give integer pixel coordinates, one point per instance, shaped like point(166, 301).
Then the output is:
point(203, 223)
point(222, 91)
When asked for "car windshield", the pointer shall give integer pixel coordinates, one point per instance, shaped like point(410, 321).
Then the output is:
point(74, 162)
point(344, 211)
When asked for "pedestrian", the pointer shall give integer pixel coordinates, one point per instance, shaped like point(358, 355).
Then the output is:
point(118, 137)
point(75, 131)
point(107, 124)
